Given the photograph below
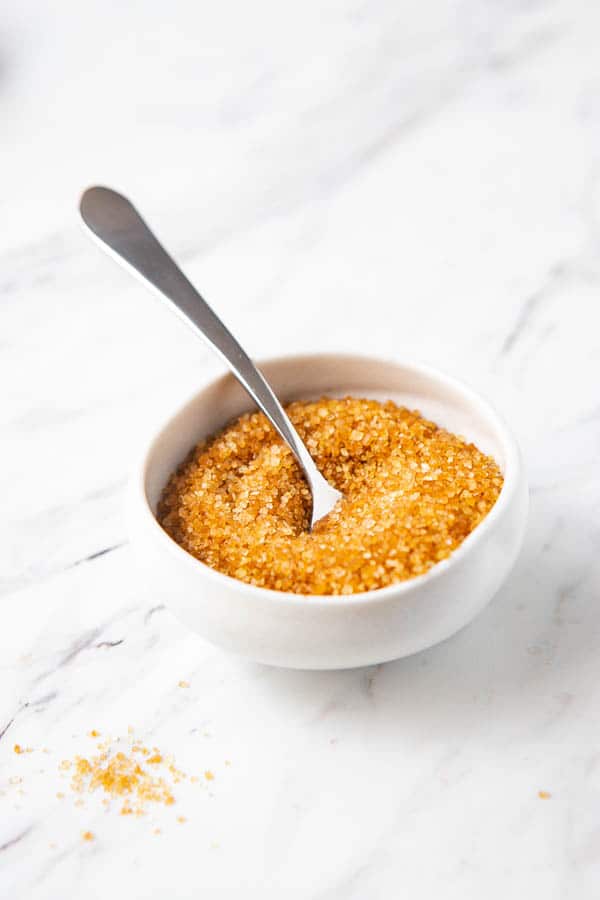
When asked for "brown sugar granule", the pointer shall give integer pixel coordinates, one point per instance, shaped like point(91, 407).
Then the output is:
point(88, 836)
point(544, 795)
point(154, 759)
point(412, 492)
point(121, 774)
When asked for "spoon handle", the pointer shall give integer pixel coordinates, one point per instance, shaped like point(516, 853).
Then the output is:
point(115, 222)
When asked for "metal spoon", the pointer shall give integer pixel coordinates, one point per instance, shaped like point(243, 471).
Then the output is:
point(119, 228)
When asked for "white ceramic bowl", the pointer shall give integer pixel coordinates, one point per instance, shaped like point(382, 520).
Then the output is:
point(332, 632)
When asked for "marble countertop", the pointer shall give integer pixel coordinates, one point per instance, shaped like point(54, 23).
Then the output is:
point(387, 177)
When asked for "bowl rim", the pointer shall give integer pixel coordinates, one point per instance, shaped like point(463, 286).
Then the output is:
point(512, 474)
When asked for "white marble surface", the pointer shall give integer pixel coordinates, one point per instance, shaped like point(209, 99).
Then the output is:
point(398, 178)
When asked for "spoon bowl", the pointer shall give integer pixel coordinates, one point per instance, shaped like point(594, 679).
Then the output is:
point(331, 632)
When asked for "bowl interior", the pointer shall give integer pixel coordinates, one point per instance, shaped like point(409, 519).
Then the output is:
point(436, 396)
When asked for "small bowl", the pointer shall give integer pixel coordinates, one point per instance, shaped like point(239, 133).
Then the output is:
point(332, 632)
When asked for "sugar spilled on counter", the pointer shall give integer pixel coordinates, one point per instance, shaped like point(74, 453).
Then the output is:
point(129, 775)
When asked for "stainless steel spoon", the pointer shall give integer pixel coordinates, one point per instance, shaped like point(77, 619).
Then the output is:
point(119, 228)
